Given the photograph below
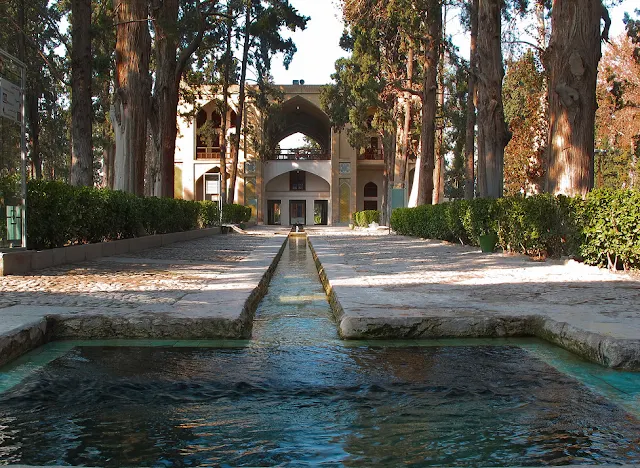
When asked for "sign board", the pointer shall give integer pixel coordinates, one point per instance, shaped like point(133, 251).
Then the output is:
point(14, 223)
point(397, 198)
point(10, 101)
point(212, 184)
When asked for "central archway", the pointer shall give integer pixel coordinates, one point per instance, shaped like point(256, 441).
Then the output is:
point(298, 115)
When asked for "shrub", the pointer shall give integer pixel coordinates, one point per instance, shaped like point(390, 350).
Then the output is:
point(236, 214)
point(209, 214)
point(59, 214)
point(480, 217)
point(611, 230)
point(534, 225)
point(366, 217)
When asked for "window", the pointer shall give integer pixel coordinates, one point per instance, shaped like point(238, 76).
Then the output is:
point(201, 119)
point(296, 180)
point(371, 190)
point(370, 205)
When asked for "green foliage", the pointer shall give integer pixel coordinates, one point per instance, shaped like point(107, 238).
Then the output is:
point(537, 225)
point(236, 214)
point(611, 229)
point(209, 214)
point(366, 217)
point(59, 214)
point(633, 31)
point(480, 217)
point(524, 96)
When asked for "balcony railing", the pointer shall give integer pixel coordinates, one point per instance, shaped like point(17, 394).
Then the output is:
point(203, 152)
point(371, 154)
point(300, 155)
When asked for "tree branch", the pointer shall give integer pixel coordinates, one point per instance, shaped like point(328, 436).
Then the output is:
point(192, 47)
point(52, 68)
point(607, 22)
point(530, 44)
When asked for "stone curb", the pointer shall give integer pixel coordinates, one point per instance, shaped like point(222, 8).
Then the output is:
point(95, 324)
point(602, 349)
point(23, 261)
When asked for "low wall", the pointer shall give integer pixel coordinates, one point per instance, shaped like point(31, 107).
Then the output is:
point(599, 348)
point(24, 261)
point(218, 314)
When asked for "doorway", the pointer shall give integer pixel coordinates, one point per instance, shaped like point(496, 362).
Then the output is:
point(320, 212)
point(297, 212)
point(273, 212)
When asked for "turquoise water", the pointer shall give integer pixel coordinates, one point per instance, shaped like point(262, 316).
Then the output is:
point(295, 395)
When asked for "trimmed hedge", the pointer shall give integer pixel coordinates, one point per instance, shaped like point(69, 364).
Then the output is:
point(366, 217)
point(59, 214)
point(236, 214)
point(611, 228)
point(603, 229)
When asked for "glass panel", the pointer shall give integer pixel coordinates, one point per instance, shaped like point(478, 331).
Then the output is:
point(297, 180)
point(320, 212)
point(297, 211)
point(345, 200)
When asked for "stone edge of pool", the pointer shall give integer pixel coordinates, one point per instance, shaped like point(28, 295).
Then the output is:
point(260, 264)
point(601, 349)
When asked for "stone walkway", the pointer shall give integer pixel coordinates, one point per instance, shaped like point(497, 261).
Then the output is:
point(389, 286)
point(199, 289)
point(381, 286)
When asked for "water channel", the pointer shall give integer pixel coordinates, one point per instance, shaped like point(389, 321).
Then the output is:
point(296, 395)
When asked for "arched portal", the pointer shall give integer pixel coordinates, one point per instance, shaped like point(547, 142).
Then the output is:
point(297, 197)
point(208, 185)
point(298, 115)
point(370, 194)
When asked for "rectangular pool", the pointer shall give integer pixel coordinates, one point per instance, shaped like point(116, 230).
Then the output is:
point(469, 403)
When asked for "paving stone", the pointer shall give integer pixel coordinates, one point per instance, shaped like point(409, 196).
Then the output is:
point(390, 286)
point(197, 289)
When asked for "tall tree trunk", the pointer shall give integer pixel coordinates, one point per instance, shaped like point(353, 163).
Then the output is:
point(438, 176)
point(132, 94)
point(429, 105)
point(633, 170)
point(164, 110)
point(108, 156)
point(388, 150)
point(402, 156)
point(241, 98)
point(494, 134)
point(225, 109)
point(81, 105)
point(482, 166)
point(415, 187)
point(573, 56)
point(32, 116)
point(33, 119)
point(469, 146)
point(164, 98)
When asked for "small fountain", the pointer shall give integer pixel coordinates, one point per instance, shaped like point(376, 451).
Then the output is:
point(297, 230)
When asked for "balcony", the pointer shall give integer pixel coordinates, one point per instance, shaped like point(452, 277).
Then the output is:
point(203, 152)
point(300, 154)
point(371, 154)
